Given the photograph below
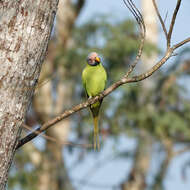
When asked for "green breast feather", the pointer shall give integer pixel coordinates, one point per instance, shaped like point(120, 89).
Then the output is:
point(94, 79)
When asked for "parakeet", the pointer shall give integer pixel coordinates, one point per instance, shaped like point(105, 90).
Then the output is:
point(94, 79)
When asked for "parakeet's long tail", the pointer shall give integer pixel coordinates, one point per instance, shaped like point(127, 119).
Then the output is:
point(95, 108)
point(96, 134)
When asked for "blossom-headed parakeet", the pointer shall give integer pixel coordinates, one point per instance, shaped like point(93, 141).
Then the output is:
point(94, 79)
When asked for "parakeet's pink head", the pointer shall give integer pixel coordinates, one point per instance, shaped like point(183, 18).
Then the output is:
point(93, 59)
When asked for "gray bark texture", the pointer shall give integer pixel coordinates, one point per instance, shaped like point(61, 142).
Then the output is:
point(25, 28)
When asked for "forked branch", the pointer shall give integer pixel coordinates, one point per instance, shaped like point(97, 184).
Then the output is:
point(125, 79)
point(136, 13)
point(168, 35)
point(173, 22)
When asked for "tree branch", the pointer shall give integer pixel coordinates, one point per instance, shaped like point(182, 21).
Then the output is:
point(181, 43)
point(125, 79)
point(138, 16)
point(173, 22)
point(160, 19)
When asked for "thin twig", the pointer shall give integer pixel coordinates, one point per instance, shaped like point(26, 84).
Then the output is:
point(181, 43)
point(152, 70)
point(160, 18)
point(173, 22)
point(136, 13)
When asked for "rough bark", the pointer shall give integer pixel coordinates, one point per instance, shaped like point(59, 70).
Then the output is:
point(25, 28)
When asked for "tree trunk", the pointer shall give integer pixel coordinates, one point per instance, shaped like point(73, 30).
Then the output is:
point(25, 28)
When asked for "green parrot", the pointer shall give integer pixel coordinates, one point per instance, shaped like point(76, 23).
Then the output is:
point(94, 79)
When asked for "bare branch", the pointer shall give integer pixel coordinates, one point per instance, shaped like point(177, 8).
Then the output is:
point(136, 13)
point(181, 43)
point(160, 18)
point(173, 22)
point(147, 74)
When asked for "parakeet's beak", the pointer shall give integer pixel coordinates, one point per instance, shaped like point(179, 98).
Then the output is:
point(97, 59)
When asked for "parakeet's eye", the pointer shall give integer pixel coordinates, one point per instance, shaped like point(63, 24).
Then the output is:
point(89, 60)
